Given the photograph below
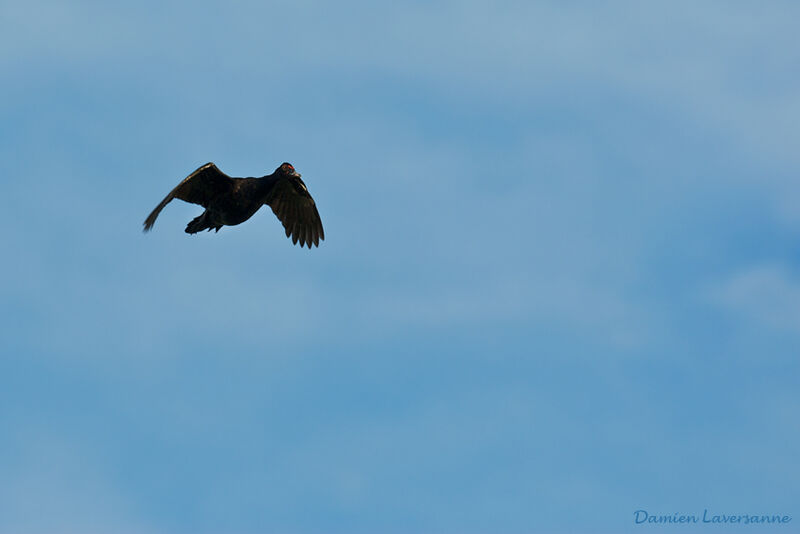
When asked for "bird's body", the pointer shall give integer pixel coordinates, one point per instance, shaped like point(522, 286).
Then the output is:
point(231, 201)
point(242, 199)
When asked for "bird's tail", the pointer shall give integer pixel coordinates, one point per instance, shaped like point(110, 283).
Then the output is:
point(198, 224)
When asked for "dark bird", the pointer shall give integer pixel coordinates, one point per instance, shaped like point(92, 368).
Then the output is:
point(231, 201)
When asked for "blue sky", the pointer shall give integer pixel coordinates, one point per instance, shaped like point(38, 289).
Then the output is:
point(561, 279)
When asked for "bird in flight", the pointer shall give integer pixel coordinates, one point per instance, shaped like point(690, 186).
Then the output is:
point(231, 201)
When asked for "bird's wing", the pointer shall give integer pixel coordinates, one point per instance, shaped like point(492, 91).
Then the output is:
point(292, 204)
point(198, 188)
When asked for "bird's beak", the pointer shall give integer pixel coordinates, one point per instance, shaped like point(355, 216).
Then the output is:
point(296, 174)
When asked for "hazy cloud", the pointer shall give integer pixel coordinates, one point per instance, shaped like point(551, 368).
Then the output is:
point(767, 294)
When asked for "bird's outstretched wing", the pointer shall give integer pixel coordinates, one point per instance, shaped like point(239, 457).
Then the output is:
point(292, 204)
point(198, 188)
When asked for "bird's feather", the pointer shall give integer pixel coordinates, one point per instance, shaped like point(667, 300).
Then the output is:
point(292, 204)
point(200, 187)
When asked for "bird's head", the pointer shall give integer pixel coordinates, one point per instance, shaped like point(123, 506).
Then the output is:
point(288, 170)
